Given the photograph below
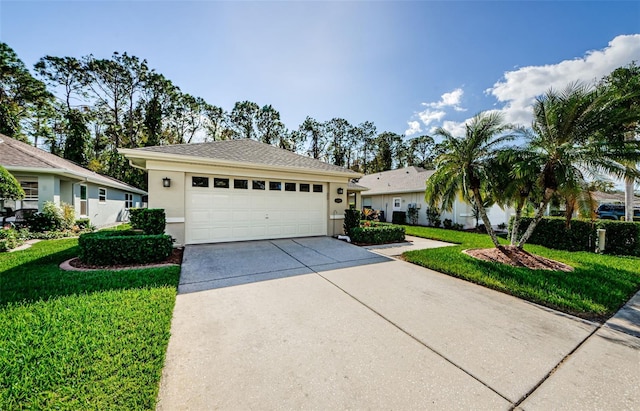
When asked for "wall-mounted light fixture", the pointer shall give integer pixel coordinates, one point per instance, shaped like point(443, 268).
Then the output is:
point(166, 182)
point(340, 190)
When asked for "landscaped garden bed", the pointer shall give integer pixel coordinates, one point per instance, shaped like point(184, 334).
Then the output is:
point(370, 231)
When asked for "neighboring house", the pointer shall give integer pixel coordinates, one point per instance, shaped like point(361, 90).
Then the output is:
point(396, 190)
point(47, 177)
point(238, 190)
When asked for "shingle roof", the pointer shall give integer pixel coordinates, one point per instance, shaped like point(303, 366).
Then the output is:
point(245, 151)
point(617, 197)
point(403, 180)
point(15, 154)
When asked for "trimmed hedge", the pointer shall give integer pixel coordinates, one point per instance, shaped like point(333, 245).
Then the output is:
point(377, 235)
point(150, 220)
point(399, 217)
point(123, 247)
point(351, 220)
point(623, 238)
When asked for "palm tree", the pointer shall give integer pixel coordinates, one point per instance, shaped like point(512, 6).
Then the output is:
point(573, 138)
point(463, 166)
point(516, 188)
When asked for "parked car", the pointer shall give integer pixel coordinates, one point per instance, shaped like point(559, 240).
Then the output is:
point(615, 212)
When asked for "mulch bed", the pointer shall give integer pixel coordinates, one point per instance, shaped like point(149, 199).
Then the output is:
point(518, 258)
point(174, 258)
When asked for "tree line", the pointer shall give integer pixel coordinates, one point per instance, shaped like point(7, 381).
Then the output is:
point(84, 109)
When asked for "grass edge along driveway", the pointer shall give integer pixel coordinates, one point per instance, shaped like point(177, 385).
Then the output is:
point(81, 340)
point(595, 290)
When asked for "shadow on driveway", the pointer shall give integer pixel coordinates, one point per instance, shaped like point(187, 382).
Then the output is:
point(210, 266)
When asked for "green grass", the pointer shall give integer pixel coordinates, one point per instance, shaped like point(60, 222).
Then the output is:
point(595, 290)
point(81, 340)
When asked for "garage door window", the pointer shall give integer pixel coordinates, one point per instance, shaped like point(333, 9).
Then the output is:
point(221, 182)
point(241, 184)
point(304, 188)
point(275, 185)
point(258, 184)
point(289, 186)
point(317, 188)
point(200, 181)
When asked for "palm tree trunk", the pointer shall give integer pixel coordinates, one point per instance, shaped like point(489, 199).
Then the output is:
point(548, 192)
point(628, 199)
point(485, 218)
point(516, 221)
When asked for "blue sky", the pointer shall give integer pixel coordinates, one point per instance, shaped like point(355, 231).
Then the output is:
point(406, 66)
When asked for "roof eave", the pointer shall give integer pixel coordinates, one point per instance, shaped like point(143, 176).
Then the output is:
point(75, 175)
point(140, 157)
point(373, 193)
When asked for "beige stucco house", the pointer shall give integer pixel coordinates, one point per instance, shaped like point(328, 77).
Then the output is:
point(397, 190)
point(47, 177)
point(238, 190)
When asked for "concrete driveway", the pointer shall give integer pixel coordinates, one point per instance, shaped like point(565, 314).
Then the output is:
point(337, 327)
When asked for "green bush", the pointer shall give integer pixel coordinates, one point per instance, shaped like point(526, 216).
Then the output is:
point(412, 215)
point(83, 224)
point(433, 216)
point(351, 220)
point(150, 220)
point(9, 239)
point(49, 219)
point(68, 215)
point(123, 247)
point(552, 232)
point(381, 234)
point(622, 238)
point(399, 217)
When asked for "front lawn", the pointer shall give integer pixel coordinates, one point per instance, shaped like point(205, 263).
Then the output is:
point(81, 340)
point(596, 289)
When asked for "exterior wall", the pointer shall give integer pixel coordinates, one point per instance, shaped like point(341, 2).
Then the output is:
point(48, 189)
point(66, 192)
point(109, 212)
point(337, 204)
point(172, 199)
point(462, 212)
point(52, 188)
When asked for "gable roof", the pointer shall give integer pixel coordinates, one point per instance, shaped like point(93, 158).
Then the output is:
point(403, 180)
point(17, 156)
point(243, 151)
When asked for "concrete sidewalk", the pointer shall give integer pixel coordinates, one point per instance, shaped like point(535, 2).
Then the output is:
point(388, 335)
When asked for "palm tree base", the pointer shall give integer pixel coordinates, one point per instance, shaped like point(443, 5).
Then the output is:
point(516, 257)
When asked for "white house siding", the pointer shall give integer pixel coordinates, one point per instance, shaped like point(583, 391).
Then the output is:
point(107, 213)
point(462, 213)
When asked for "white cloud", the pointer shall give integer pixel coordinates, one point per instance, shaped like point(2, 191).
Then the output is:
point(414, 128)
point(451, 99)
point(457, 129)
point(429, 116)
point(519, 88)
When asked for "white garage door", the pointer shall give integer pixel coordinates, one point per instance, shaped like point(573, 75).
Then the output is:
point(222, 209)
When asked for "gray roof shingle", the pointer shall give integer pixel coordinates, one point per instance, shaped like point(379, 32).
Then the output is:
point(403, 180)
point(16, 154)
point(246, 151)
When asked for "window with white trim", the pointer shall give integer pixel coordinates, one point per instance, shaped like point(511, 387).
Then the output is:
point(83, 200)
point(128, 200)
point(30, 190)
point(102, 195)
point(397, 203)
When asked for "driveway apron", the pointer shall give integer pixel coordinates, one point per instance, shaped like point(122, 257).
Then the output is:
point(339, 327)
